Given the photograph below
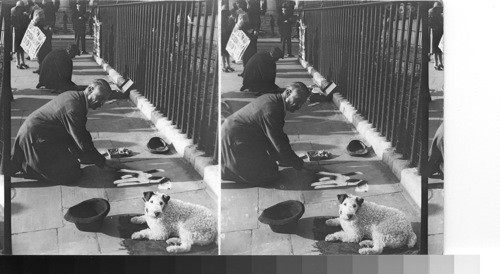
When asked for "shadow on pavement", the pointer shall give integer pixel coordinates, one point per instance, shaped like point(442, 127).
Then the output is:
point(119, 226)
point(320, 231)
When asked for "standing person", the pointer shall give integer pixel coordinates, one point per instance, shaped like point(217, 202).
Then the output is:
point(253, 29)
point(65, 21)
point(57, 69)
point(285, 23)
point(227, 25)
point(53, 141)
point(50, 13)
point(39, 21)
point(271, 22)
point(79, 24)
point(252, 139)
point(436, 25)
point(20, 22)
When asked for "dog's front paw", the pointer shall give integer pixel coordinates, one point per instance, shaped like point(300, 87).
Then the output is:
point(368, 251)
point(137, 220)
point(366, 243)
point(332, 222)
point(172, 249)
point(137, 236)
point(332, 237)
point(174, 241)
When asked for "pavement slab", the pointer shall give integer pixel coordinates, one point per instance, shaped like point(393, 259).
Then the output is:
point(239, 208)
point(236, 243)
point(42, 242)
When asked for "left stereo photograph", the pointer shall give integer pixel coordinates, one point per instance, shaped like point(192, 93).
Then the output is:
point(109, 127)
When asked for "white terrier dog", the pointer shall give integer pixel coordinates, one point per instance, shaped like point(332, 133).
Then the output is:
point(188, 223)
point(380, 225)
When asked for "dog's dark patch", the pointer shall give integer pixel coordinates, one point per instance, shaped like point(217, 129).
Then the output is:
point(320, 230)
point(148, 247)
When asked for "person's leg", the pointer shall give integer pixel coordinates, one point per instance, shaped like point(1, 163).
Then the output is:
point(82, 37)
point(289, 41)
point(283, 42)
point(57, 164)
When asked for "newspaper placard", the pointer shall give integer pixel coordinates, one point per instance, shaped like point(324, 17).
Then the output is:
point(32, 41)
point(237, 44)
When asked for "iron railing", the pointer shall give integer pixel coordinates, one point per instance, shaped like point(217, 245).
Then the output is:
point(5, 101)
point(376, 53)
point(169, 49)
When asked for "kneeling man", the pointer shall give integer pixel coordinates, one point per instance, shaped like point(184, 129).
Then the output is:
point(53, 141)
point(253, 139)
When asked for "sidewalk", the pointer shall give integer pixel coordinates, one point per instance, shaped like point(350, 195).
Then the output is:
point(314, 127)
point(37, 209)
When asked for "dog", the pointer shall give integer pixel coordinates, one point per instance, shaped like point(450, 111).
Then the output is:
point(186, 223)
point(379, 225)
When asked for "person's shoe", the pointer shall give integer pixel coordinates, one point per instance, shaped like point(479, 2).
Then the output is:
point(243, 88)
point(19, 67)
point(28, 58)
point(84, 52)
point(39, 85)
point(37, 71)
point(230, 69)
point(290, 55)
point(241, 74)
point(25, 66)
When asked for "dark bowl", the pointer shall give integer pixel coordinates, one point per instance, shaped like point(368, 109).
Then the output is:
point(357, 148)
point(89, 214)
point(157, 145)
point(283, 217)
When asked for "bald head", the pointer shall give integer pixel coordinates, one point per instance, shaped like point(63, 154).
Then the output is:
point(97, 93)
point(296, 94)
point(19, 3)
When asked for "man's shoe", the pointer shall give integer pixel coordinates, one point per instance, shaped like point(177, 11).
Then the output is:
point(36, 71)
point(290, 55)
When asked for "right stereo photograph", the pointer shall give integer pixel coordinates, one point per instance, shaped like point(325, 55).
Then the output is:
point(331, 134)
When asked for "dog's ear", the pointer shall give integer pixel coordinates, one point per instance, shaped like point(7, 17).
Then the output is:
point(148, 195)
point(359, 201)
point(165, 198)
point(341, 197)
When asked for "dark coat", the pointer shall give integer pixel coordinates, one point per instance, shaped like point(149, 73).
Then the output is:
point(285, 23)
point(56, 71)
point(259, 74)
point(53, 138)
point(252, 140)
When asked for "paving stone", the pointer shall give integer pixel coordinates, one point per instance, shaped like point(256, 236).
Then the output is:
point(42, 242)
point(236, 243)
point(239, 209)
point(267, 242)
point(303, 240)
point(436, 211)
point(199, 197)
point(110, 238)
point(38, 207)
point(380, 180)
point(75, 242)
point(435, 246)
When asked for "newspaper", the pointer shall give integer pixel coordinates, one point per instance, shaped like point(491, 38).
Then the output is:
point(33, 40)
point(238, 43)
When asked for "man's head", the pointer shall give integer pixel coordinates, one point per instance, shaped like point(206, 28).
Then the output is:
point(276, 54)
point(97, 93)
point(19, 3)
point(295, 95)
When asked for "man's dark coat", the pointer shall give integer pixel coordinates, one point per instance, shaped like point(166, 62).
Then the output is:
point(56, 71)
point(53, 138)
point(260, 73)
point(253, 140)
